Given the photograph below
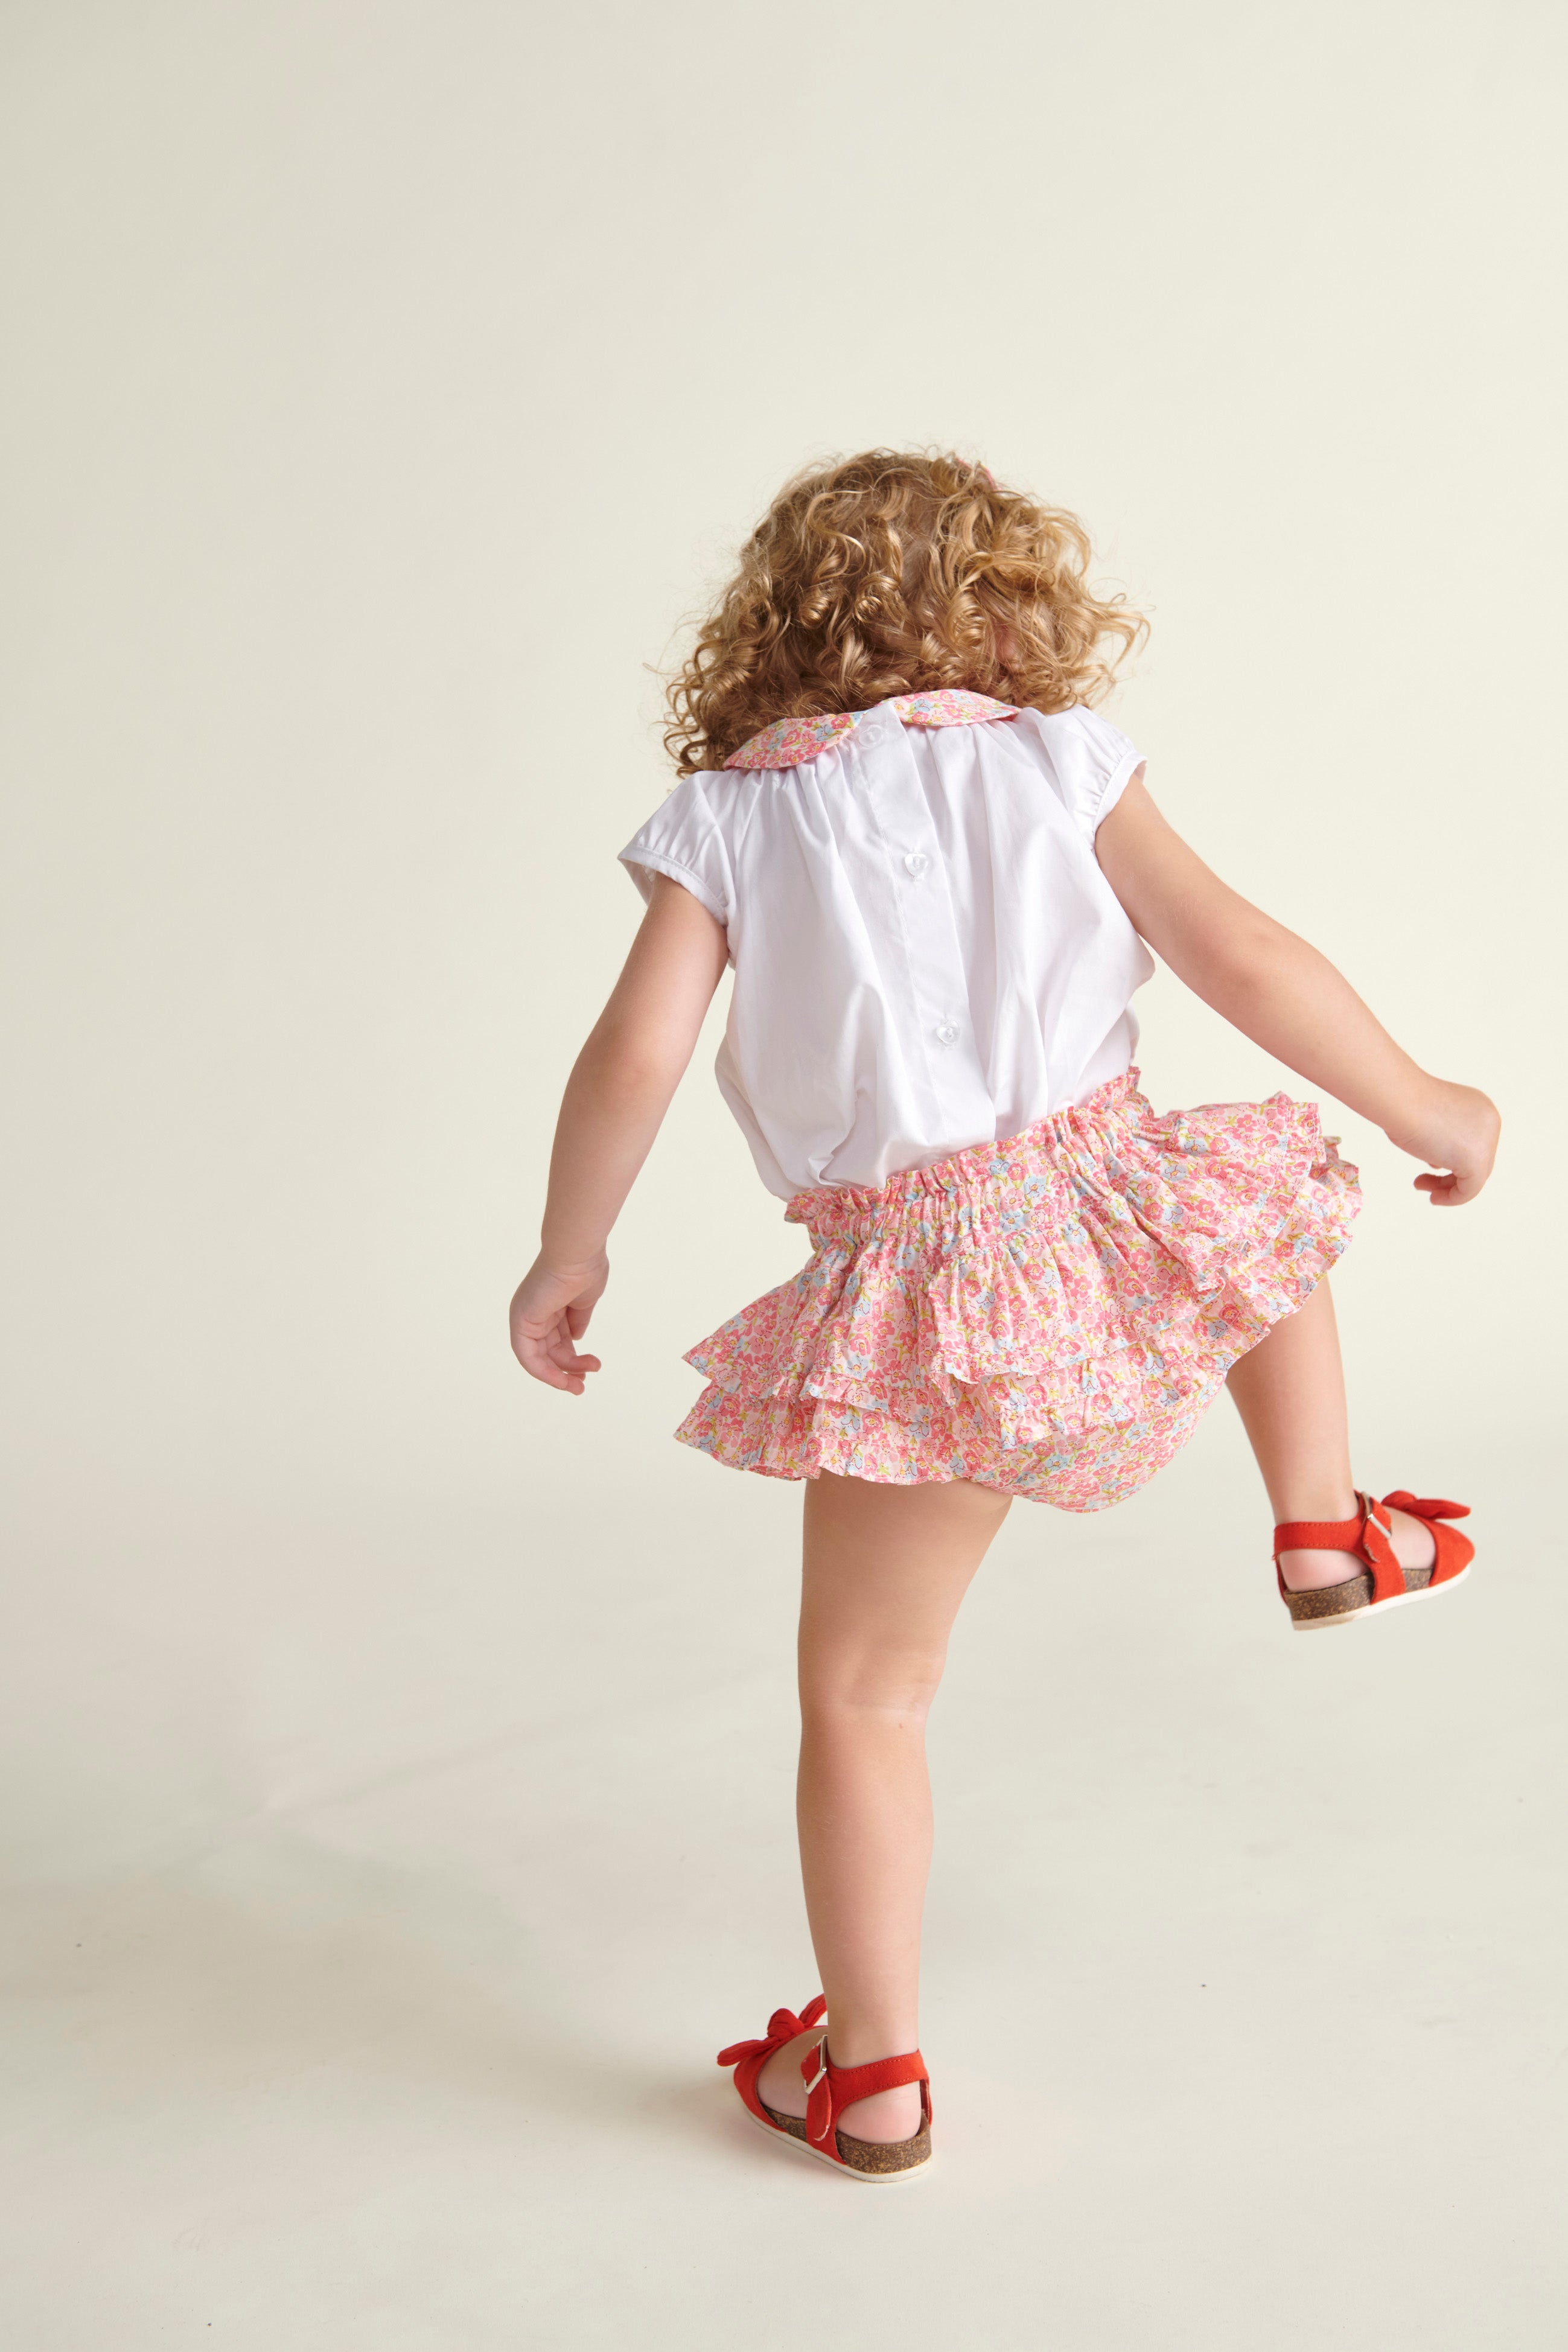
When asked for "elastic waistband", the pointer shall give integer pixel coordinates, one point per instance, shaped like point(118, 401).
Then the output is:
point(980, 1168)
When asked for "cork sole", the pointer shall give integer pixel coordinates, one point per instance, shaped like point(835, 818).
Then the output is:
point(777, 2133)
point(1376, 1607)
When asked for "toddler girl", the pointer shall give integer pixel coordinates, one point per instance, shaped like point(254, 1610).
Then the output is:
point(933, 870)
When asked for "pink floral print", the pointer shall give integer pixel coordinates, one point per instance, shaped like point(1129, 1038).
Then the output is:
point(792, 743)
point(795, 742)
point(1050, 1315)
point(949, 706)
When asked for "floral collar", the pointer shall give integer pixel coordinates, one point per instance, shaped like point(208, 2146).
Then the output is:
point(792, 743)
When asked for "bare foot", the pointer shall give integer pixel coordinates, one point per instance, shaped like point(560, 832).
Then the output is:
point(890, 2115)
point(1415, 1545)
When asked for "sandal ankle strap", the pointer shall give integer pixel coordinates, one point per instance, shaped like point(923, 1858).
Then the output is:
point(1317, 1535)
point(1367, 1536)
point(830, 2089)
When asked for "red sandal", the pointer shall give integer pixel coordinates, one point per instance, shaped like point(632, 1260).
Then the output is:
point(831, 2089)
point(1381, 1583)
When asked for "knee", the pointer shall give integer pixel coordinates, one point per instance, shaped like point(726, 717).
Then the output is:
point(887, 1688)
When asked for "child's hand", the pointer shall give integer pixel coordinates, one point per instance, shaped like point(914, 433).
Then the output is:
point(1456, 1130)
point(550, 1312)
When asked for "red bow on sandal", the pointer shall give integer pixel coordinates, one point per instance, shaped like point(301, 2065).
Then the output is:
point(1381, 1584)
point(830, 2089)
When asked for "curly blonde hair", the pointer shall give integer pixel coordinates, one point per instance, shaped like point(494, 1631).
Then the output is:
point(896, 572)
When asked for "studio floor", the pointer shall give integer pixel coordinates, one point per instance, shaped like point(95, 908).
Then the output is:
point(387, 2018)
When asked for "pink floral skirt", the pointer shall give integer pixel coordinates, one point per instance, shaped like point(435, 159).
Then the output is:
point(1050, 1315)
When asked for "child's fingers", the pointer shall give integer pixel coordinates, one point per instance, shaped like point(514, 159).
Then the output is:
point(562, 1353)
point(537, 1361)
point(570, 1377)
point(1449, 1192)
point(550, 1357)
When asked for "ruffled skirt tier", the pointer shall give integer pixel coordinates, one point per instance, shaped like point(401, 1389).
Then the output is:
point(1050, 1315)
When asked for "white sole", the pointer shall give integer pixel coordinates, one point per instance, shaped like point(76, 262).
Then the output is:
point(1376, 1607)
point(845, 2172)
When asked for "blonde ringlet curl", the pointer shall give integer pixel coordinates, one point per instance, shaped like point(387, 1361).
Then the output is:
point(897, 571)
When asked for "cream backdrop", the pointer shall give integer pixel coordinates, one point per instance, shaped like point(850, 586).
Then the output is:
point(385, 386)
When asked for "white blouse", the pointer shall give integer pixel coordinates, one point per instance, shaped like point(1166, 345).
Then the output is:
point(926, 953)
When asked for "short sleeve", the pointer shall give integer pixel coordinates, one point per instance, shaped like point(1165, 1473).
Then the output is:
point(683, 840)
point(1093, 763)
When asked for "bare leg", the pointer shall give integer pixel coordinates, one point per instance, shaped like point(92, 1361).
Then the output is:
point(885, 1569)
point(1290, 1394)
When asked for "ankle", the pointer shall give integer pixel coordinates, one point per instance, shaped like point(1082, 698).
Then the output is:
point(1322, 1503)
point(860, 2042)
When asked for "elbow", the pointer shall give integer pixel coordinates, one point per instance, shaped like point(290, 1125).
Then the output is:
point(1238, 961)
point(631, 1066)
point(1254, 944)
point(1252, 948)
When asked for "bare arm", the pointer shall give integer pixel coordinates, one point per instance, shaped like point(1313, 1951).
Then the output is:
point(1289, 999)
point(615, 1103)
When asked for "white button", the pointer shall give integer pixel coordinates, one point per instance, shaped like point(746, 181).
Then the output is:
point(915, 862)
point(946, 1031)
